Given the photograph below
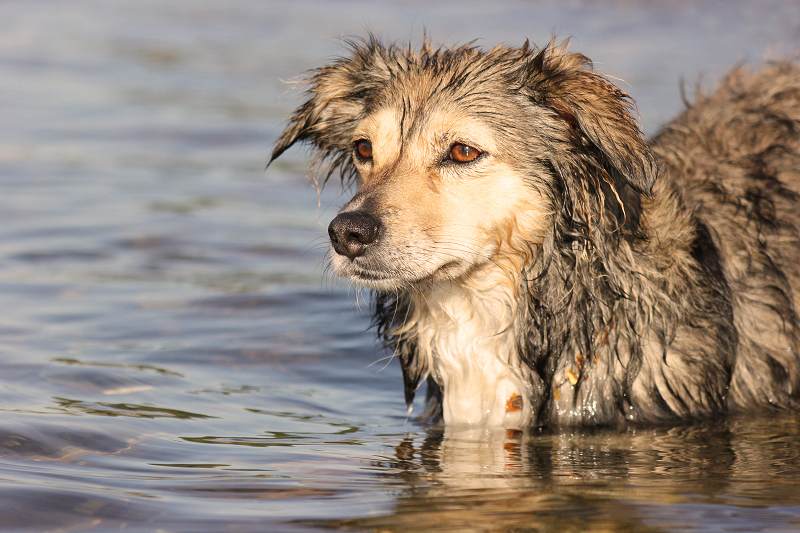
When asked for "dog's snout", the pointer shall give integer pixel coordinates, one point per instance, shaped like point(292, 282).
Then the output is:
point(352, 232)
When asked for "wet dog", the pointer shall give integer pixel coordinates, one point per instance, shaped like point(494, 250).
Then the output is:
point(540, 263)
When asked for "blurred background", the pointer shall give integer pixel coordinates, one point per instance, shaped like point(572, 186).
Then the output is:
point(174, 355)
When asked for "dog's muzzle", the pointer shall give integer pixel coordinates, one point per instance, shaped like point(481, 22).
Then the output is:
point(351, 233)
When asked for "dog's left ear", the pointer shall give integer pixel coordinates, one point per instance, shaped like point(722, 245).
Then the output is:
point(596, 110)
point(338, 95)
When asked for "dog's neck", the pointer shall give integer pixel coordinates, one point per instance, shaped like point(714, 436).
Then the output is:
point(467, 336)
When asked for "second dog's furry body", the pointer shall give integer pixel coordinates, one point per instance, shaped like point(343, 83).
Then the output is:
point(525, 258)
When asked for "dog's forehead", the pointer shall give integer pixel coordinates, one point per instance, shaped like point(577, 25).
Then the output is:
point(396, 125)
point(423, 103)
point(436, 105)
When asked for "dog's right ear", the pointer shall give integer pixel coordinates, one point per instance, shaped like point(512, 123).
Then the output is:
point(338, 96)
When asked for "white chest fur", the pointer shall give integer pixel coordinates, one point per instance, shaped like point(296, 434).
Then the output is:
point(467, 336)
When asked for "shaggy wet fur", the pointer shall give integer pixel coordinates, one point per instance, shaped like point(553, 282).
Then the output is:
point(573, 274)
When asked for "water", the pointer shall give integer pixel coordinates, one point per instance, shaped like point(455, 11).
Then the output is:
point(173, 354)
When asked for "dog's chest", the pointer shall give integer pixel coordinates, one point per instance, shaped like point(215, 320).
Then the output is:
point(468, 340)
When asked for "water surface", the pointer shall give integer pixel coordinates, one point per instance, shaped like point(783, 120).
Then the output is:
point(173, 353)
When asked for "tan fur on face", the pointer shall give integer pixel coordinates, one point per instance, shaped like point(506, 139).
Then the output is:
point(443, 220)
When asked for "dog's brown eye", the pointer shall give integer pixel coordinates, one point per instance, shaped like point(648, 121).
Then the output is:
point(463, 153)
point(364, 149)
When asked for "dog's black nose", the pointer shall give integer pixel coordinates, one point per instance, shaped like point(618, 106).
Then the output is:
point(352, 232)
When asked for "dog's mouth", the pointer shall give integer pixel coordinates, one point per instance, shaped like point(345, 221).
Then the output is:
point(388, 279)
point(377, 280)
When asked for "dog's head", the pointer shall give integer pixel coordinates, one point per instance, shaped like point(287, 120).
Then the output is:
point(458, 152)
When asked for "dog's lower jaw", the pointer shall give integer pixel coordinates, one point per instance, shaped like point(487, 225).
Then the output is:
point(396, 278)
point(467, 338)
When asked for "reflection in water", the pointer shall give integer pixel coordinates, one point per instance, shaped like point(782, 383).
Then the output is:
point(123, 409)
point(141, 368)
point(512, 481)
